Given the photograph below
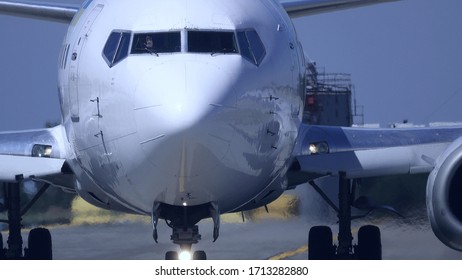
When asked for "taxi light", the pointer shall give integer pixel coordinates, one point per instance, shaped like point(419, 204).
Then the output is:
point(318, 148)
point(41, 151)
point(185, 256)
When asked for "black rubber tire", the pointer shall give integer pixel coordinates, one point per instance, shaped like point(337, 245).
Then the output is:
point(320, 243)
point(171, 255)
point(369, 243)
point(39, 245)
point(199, 255)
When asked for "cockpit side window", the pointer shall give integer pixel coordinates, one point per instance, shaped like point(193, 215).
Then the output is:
point(110, 48)
point(155, 43)
point(251, 46)
point(212, 42)
point(124, 45)
point(244, 46)
point(116, 48)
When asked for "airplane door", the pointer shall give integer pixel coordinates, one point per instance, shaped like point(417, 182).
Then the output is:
point(74, 63)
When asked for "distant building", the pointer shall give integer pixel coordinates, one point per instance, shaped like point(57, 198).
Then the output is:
point(328, 98)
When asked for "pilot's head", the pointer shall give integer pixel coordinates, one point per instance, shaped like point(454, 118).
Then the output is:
point(149, 43)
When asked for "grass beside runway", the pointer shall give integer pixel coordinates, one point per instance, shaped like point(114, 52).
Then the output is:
point(283, 208)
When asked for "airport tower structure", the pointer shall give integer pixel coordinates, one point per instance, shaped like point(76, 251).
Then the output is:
point(328, 98)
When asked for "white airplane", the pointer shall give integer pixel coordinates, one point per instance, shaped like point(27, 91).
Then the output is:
point(188, 109)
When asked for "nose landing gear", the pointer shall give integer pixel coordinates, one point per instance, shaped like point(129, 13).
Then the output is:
point(185, 232)
point(185, 237)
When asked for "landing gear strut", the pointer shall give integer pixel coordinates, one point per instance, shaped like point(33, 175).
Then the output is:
point(185, 232)
point(39, 241)
point(320, 241)
point(185, 237)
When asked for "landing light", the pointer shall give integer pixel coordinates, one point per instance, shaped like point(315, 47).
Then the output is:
point(41, 150)
point(185, 256)
point(318, 148)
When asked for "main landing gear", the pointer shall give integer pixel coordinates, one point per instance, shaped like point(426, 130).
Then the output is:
point(320, 241)
point(39, 246)
point(185, 232)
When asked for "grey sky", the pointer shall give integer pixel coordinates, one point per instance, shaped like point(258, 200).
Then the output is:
point(404, 57)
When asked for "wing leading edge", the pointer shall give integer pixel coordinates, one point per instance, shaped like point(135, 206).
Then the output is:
point(371, 152)
point(57, 13)
point(301, 8)
point(32, 153)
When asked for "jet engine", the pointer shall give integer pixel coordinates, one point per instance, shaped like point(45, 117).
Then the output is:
point(444, 196)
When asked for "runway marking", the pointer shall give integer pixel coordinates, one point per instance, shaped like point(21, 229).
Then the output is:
point(289, 254)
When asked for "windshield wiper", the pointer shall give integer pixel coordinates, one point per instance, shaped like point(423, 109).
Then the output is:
point(151, 52)
point(223, 51)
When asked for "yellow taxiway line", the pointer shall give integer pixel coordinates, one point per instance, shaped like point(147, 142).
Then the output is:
point(289, 254)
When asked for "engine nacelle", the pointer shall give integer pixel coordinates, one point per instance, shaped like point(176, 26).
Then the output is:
point(444, 196)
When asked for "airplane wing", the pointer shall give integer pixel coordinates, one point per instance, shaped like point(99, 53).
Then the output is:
point(358, 153)
point(301, 8)
point(361, 153)
point(13, 166)
point(51, 12)
point(32, 153)
point(65, 13)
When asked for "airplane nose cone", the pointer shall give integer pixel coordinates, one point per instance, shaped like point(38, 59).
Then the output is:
point(184, 123)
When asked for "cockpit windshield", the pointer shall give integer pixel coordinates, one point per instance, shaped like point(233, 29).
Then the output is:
point(245, 42)
point(212, 42)
point(155, 43)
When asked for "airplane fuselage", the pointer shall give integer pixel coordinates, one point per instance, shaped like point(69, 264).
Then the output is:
point(187, 109)
point(186, 123)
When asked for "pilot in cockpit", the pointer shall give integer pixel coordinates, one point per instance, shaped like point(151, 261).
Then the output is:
point(149, 44)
